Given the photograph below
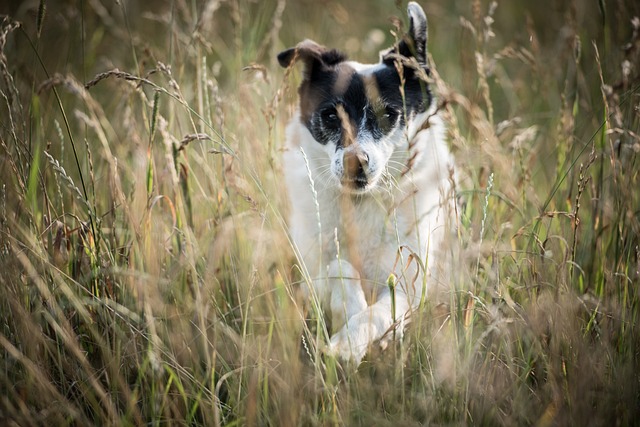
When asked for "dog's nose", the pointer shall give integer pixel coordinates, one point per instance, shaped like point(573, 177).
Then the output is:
point(363, 158)
point(355, 162)
point(356, 166)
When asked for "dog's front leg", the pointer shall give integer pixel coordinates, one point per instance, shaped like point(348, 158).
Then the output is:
point(347, 296)
point(352, 341)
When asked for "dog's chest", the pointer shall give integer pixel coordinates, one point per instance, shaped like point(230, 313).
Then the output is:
point(365, 230)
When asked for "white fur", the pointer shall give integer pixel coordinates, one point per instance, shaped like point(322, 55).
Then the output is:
point(367, 230)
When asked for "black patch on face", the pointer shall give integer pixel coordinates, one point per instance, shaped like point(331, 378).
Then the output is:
point(374, 100)
point(417, 96)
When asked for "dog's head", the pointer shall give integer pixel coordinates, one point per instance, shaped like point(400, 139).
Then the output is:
point(360, 112)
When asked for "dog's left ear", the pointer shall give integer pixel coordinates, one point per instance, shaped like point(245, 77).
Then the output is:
point(414, 42)
point(314, 56)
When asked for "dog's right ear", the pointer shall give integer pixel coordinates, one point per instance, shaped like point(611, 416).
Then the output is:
point(414, 43)
point(314, 57)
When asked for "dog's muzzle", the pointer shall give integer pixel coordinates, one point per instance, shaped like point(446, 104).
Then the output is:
point(356, 165)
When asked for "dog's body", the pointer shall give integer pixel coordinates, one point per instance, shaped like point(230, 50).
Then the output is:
point(370, 183)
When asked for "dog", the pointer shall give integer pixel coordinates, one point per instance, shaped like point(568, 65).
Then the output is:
point(370, 181)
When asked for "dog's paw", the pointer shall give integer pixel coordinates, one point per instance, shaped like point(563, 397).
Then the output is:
point(348, 347)
point(352, 342)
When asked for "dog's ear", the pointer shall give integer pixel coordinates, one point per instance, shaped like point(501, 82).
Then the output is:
point(313, 56)
point(414, 42)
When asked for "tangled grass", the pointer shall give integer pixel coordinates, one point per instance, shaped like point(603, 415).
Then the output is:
point(146, 273)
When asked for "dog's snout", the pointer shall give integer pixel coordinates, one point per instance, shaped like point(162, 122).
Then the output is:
point(355, 162)
point(356, 167)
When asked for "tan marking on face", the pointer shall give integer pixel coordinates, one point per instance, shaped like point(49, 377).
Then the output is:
point(348, 127)
point(372, 92)
point(308, 101)
point(353, 157)
point(371, 88)
point(343, 79)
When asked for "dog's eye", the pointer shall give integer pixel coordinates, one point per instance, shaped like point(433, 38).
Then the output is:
point(330, 116)
point(387, 119)
point(390, 114)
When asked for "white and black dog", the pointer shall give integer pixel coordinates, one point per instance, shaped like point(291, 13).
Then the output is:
point(370, 182)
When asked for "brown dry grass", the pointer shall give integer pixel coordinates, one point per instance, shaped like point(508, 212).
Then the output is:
point(146, 273)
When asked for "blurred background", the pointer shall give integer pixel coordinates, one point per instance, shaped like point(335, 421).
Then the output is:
point(147, 276)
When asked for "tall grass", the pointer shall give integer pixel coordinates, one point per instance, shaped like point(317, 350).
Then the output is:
point(146, 273)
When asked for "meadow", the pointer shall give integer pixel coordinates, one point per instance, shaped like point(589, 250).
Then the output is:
point(146, 274)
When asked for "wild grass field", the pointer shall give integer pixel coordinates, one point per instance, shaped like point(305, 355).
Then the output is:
point(146, 276)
